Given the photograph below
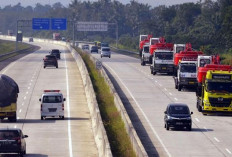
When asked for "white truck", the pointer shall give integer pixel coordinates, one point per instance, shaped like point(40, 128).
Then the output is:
point(145, 55)
point(162, 61)
point(52, 104)
point(186, 74)
point(178, 47)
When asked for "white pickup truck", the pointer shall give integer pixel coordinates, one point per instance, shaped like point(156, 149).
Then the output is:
point(52, 104)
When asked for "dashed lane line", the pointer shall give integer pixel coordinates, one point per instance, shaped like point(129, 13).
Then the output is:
point(228, 151)
point(215, 138)
point(197, 120)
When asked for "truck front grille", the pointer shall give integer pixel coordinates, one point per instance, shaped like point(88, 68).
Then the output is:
point(220, 102)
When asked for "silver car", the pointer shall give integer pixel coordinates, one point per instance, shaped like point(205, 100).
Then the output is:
point(105, 52)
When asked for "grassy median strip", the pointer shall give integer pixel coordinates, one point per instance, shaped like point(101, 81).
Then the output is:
point(114, 125)
point(9, 46)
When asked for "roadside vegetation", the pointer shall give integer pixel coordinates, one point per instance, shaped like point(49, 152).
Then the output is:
point(9, 46)
point(119, 140)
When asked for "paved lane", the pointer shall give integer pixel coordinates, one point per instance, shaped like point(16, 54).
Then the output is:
point(148, 95)
point(71, 137)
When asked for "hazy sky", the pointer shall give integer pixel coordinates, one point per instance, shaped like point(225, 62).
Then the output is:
point(66, 2)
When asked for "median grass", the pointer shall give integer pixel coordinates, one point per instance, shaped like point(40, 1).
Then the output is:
point(112, 120)
point(9, 46)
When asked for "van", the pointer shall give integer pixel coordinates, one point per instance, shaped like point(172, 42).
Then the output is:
point(52, 104)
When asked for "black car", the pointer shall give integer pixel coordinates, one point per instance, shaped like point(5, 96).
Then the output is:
point(178, 116)
point(50, 60)
point(94, 49)
point(12, 140)
point(56, 53)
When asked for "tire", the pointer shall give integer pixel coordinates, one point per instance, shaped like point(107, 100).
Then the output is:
point(154, 73)
point(198, 106)
point(176, 87)
point(13, 119)
point(101, 56)
point(179, 87)
point(62, 117)
point(109, 56)
point(56, 66)
point(167, 127)
point(44, 66)
point(42, 118)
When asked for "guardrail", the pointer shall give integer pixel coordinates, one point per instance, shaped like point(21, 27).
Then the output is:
point(121, 50)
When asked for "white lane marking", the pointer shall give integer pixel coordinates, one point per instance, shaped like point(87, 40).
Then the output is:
point(24, 97)
point(165, 89)
point(215, 138)
point(68, 109)
point(155, 81)
point(149, 123)
point(197, 119)
point(20, 110)
point(160, 85)
point(31, 80)
point(26, 92)
point(28, 87)
point(17, 117)
point(15, 126)
point(29, 84)
point(205, 128)
point(176, 99)
point(228, 151)
point(5, 70)
point(152, 78)
point(22, 103)
point(170, 93)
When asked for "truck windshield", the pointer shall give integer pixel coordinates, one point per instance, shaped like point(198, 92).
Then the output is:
point(188, 68)
point(146, 49)
point(219, 87)
point(164, 55)
point(52, 99)
point(179, 48)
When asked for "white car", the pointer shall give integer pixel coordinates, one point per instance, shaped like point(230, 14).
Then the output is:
point(105, 52)
point(52, 104)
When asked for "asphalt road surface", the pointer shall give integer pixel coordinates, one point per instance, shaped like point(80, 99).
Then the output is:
point(71, 137)
point(146, 96)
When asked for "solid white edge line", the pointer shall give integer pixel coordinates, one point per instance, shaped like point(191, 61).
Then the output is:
point(176, 99)
point(5, 70)
point(22, 103)
point(20, 110)
point(24, 97)
point(228, 151)
point(68, 109)
point(165, 89)
point(215, 138)
point(153, 130)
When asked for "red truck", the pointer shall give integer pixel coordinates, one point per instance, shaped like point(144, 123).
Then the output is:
point(144, 39)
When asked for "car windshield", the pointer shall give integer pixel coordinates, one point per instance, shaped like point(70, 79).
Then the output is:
point(9, 134)
point(52, 99)
point(219, 87)
point(55, 51)
point(164, 55)
point(105, 49)
point(188, 68)
point(178, 110)
point(146, 49)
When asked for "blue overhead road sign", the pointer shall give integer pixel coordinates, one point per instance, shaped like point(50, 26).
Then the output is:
point(59, 24)
point(41, 23)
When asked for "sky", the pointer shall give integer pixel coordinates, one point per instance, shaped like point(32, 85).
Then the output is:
point(153, 3)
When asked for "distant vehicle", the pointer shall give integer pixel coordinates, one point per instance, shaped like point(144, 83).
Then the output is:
point(104, 45)
point(56, 36)
point(178, 115)
point(52, 104)
point(105, 52)
point(8, 98)
point(10, 32)
point(85, 47)
point(98, 44)
point(50, 60)
point(31, 39)
point(12, 140)
point(94, 49)
point(56, 53)
point(63, 39)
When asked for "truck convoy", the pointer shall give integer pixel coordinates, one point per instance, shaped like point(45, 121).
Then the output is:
point(8, 98)
point(214, 90)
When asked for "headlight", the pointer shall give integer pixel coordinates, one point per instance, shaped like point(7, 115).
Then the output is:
point(206, 101)
point(170, 118)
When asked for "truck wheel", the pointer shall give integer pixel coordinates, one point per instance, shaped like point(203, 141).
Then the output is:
point(153, 72)
point(56, 66)
point(42, 118)
point(62, 117)
point(176, 84)
point(44, 66)
point(199, 107)
point(167, 127)
point(179, 87)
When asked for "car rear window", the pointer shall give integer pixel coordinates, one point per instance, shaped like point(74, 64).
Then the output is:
point(9, 134)
point(50, 57)
point(52, 99)
point(55, 51)
point(105, 49)
point(178, 110)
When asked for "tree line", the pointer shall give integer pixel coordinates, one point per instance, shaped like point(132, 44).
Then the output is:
point(206, 24)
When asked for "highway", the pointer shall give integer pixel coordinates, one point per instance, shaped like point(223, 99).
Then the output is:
point(71, 137)
point(146, 96)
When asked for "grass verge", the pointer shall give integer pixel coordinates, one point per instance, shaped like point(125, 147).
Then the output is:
point(112, 120)
point(9, 46)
